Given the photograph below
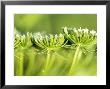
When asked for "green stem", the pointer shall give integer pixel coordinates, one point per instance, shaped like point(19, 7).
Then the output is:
point(31, 63)
point(20, 65)
point(47, 62)
point(51, 61)
point(74, 60)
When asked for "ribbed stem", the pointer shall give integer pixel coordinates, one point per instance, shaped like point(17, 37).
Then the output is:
point(74, 60)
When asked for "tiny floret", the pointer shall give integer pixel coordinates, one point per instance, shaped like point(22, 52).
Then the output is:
point(85, 30)
point(60, 35)
point(65, 30)
point(75, 31)
point(80, 30)
point(93, 32)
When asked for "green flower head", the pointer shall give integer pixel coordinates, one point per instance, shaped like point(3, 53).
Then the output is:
point(48, 41)
point(80, 37)
point(22, 41)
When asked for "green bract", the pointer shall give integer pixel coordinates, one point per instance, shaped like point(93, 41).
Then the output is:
point(48, 41)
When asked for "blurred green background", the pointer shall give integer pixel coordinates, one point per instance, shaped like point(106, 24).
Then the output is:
point(52, 23)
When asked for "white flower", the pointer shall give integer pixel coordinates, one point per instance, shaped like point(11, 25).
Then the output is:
point(51, 36)
point(56, 36)
point(17, 35)
point(49, 41)
point(80, 30)
point(81, 36)
point(74, 28)
point(60, 35)
point(75, 31)
point(93, 32)
point(65, 30)
point(46, 37)
point(85, 30)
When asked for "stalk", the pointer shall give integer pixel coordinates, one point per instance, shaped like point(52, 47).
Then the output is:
point(51, 61)
point(20, 65)
point(74, 60)
point(31, 63)
point(47, 62)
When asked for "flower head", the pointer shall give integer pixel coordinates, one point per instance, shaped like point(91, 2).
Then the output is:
point(48, 41)
point(65, 30)
point(81, 37)
point(93, 32)
point(26, 40)
point(23, 41)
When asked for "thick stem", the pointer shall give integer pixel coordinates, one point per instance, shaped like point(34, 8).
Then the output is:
point(47, 62)
point(74, 60)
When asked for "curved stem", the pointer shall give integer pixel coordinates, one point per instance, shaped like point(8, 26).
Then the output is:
point(74, 60)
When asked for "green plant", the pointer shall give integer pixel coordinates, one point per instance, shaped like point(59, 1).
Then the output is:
point(48, 43)
point(21, 42)
point(81, 40)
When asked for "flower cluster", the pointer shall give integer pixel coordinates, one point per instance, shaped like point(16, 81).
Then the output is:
point(81, 40)
point(48, 41)
point(77, 37)
point(22, 41)
point(84, 38)
point(80, 36)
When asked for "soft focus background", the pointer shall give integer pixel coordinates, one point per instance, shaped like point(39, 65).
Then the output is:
point(53, 23)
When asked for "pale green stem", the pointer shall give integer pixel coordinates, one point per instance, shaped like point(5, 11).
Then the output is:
point(79, 56)
point(47, 62)
point(31, 63)
point(74, 60)
point(52, 60)
point(20, 65)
